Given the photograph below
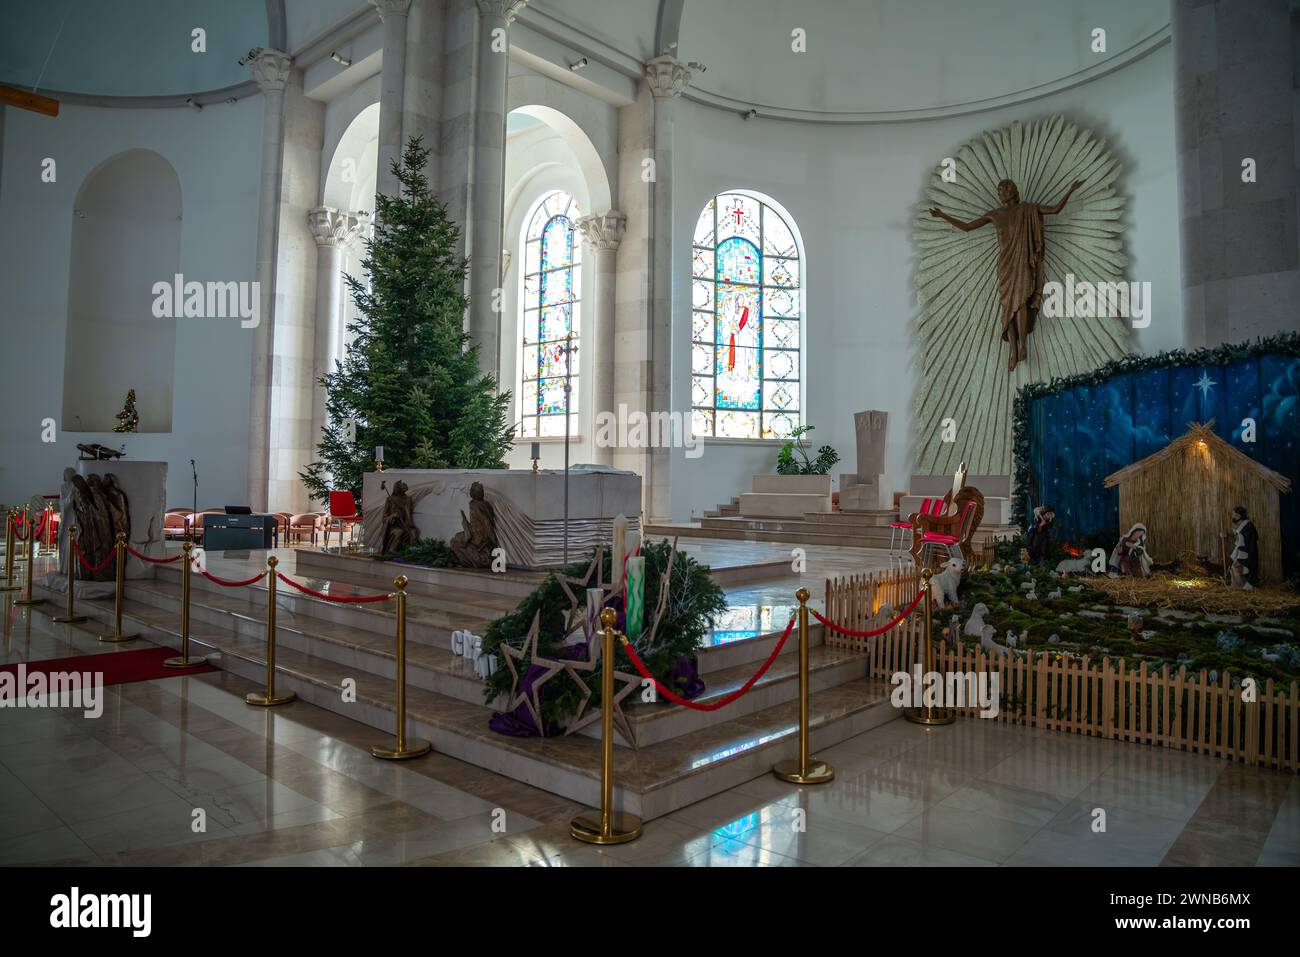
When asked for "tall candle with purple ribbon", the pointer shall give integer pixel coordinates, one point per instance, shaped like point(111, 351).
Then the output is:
point(635, 596)
point(591, 622)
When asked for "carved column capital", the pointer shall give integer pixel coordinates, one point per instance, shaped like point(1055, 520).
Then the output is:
point(333, 227)
point(668, 76)
point(603, 230)
point(394, 8)
point(270, 70)
point(505, 10)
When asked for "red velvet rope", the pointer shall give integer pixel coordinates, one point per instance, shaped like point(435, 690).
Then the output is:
point(355, 599)
point(712, 705)
point(874, 631)
point(221, 581)
point(153, 561)
point(93, 569)
point(26, 524)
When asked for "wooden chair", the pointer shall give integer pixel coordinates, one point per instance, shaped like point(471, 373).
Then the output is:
point(954, 526)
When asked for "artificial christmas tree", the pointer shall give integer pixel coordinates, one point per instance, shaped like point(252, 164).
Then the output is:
point(410, 381)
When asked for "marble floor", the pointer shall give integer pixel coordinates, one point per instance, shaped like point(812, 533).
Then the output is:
point(179, 771)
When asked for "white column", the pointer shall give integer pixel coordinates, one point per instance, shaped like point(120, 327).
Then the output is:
point(667, 78)
point(334, 231)
point(270, 69)
point(602, 234)
point(392, 83)
point(488, 194)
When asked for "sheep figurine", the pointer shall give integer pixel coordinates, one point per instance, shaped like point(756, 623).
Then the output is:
point(975, 624)
point(943, 586)
point(1054, 593)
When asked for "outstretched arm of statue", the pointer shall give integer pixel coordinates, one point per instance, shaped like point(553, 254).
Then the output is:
point(1052, 210)
point(965, 227)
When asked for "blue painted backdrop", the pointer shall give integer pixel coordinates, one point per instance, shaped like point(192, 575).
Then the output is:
point(1080, 434)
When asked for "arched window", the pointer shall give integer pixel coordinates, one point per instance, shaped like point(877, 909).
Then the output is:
point(746, 339)
point(552, 273)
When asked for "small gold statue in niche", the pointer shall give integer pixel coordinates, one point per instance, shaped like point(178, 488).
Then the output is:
point(128, 420)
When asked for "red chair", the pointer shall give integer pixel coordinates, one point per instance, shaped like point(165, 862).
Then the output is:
point(343, 512)
point(928, 506)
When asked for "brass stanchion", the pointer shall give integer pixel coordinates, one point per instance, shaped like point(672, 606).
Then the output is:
point(184, 660)
point(118, 593)
point(71, 614)
point(27, 597)
point(270, 699)
point(806, 770)
point(607, 827)
point(50, 549)
point(929, 713)
point(402, 749)
point(9, 551)
point(21, 557)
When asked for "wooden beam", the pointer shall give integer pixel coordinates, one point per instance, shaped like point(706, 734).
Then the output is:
point(12, 96)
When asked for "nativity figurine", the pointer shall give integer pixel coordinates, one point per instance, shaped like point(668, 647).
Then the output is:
point(472, 547)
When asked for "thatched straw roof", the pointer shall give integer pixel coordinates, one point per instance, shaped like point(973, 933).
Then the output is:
point(1198, 433)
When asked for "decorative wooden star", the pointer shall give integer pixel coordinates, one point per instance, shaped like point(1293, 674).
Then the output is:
point(630, 683)
point(528, 651)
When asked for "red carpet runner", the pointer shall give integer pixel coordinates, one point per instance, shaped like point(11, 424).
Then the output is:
point(118, 667)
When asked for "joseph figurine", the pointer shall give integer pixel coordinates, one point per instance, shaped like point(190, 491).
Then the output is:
point(1020, 260)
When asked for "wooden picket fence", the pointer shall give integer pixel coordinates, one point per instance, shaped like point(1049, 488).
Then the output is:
point(1171, 709)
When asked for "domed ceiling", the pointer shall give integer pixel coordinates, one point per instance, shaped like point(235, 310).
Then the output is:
point(873, 59)
point(900, 56)
point(140, 48)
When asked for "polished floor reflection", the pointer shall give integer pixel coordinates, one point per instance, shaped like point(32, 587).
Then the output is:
point(180, 771)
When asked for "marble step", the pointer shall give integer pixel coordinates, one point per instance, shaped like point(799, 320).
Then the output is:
point(662, 721)
point(512, 583)
point(872, 518)
point(652, 781)
point(428, 618)
point(217, 621)
point(799, 532)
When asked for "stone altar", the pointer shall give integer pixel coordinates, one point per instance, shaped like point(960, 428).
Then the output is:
point(528, 507)
point(869, 487)
point(144, 484)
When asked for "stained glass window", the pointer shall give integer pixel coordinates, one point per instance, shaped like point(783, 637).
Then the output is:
point(552, 276)
point(746, 277)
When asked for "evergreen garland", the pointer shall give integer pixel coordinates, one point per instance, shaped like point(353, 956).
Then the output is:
point(1286, 343)
point(410, 380)
point(694, 600)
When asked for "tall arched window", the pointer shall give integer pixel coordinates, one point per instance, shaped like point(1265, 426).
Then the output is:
point(746, 339)
point(552, 273)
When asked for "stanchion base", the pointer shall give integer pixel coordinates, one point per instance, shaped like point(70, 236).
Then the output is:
point(819, 772)
point(116, 638)
point(413, 749)
point(68, 619)
point(29, 601)
point(623, 828)
point(930, 716)
point(269, 701)
point(180, 661)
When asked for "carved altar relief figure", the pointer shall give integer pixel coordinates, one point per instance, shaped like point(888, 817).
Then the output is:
point(1020, 260)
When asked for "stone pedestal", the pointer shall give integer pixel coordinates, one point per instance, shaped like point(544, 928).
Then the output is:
point(868, 488)
point(529, 507)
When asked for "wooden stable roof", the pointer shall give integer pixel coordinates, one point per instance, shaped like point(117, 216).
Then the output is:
point(1196, 432)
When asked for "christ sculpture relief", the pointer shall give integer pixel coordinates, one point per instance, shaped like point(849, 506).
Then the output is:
point(1020, 260)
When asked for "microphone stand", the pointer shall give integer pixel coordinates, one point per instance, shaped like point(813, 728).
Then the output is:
point(193, 514)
